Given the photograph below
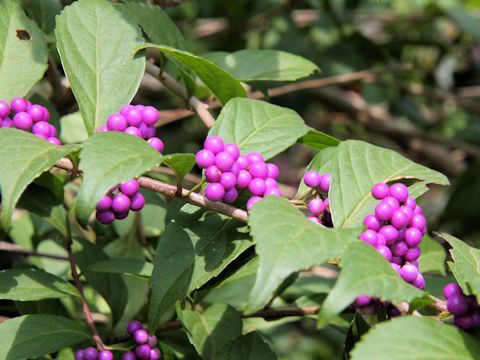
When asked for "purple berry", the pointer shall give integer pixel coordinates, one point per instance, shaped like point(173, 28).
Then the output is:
point(133, 116)
point(384, 211)
point(409, 273)
point(242, 162)
point(143, 351)
point(369, 237)
point(125, 108)
point(399, 191)
point(418, 221)
point(380, 190)
point(137, 202)
point(385, 252)
point(133, 326)
point(399, 219)
point(418, 210)
point(149, 132)
point(102, 128)
point(205, 158)
point(139, 107)
point(37, 112)
point(105, 355)
point(214, 192)
point(80, 354)
point(140, 336)
point(105, 217)
point(259, 170)
point(257, 187)
point(91, 353)
point(393, 202)
point(120, 203)
point(312, 178)
point(156, 143)
point(399, 248)
point(413, 236)
point(121, 215)
point(463, 322)
point(397, 260)
point(116, 122)
point(129, 356)
point(155, 354)
point(234, 169)
point(7, 123)
point(129, 187)
point(230, 196)
point(233, 150)
point(105, 203)
point(150, 115)
point(315, 219)
point(271, 183)
point(326, 201)
point(316, 207)
point(54, 141)
point(4, 109)
point(19, 104)
point(273, 171)
point(255, 157)
point(419, 282)
point(228, 180)
point(272, 191)
point(252, 201)
point(224, 161)
point(412, 254)
point(372, 222)
point(390, 233)
point(381, 240)
point(396, 267)
point(42, 128)
point(457, 304)
point(324, 183)
point(451, 289)
point(407, 211)
point(243, 179)
point(362, 301)
point(132, 130)
point(214, 144)
point(213, 174)
point(23, 121)
point(410, 202)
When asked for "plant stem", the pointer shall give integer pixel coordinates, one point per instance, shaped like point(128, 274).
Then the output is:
point(16, 249)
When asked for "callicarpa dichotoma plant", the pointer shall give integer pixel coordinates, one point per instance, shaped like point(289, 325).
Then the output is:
point(125, 235)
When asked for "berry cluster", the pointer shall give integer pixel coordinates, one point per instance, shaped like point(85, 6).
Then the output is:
point(228, 172)
point(28, 117)
point(395, 230)
point(319, 207)
point(145, 349)
point(91, 353)
point(136, 120)
point(465, 309)
point(119, 201)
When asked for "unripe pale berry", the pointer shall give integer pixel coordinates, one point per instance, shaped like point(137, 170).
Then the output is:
point(214, 192)
point(120, 203)
point(312, 178)
point(105, 217)
point(137, 202)
point(129, 187)
point(214, 143)
point(204, 158)
point(380, 190)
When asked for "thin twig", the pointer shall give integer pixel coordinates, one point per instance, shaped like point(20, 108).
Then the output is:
point(198, 106)
point(16, 249)
point(141, 234)
point(78, 285)
point(60, 94)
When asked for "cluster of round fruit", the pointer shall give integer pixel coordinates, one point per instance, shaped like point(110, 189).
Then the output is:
point(465, 309)
point(228, 172)
point(319, 207)
point(395, 230)
point(24, 115)
point(119, 201)
point(136, 120)
point(145, 348)
point(91, 353)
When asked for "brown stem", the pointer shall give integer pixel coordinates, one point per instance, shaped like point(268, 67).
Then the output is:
point(78, 285)
point(60, 94)
point(16, 249)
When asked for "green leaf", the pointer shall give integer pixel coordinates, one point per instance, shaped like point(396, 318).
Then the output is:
point(73, 129)
point(222, 84)
point(23, 51)
point(43, 12)
point(365, 272)
point(23, 157)
point(246, 347)
point(110, 286)
point(155, 22)
point(96, 44)
point(195, 247)
point(318, 140)
point(211, 329)
point(465, 265)
point(256, 125)
point(33, 284)
point(30, 336)
point(122, 266)
point(182, 164)
point(433, 256)
point(468, 23)
point(415, 338)
point(263, 65)
point(107, 159)
point(355, 167)
point(286, 241)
